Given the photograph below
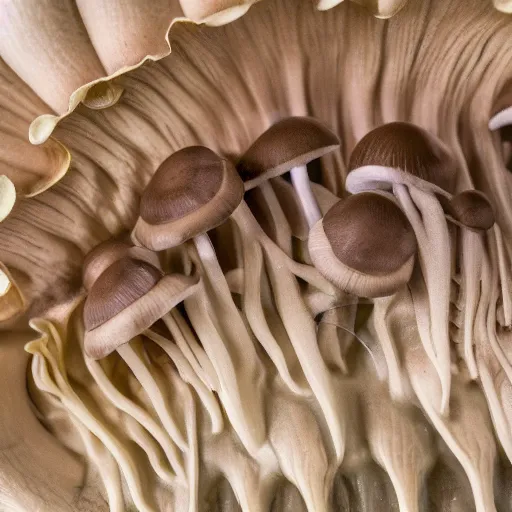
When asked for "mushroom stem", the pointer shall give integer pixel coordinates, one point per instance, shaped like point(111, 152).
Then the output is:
point(188, 375)
point(135, 411)
point(153, 391)
point(283, 230)
point(298, 322)
point(302, 185)
point(194, 353)
point(239, 390)
point(433, 239)
point(472, 253)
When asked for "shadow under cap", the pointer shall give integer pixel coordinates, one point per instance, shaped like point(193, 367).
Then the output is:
point(370, 234)
point(125, 281)
point(291, 142)
point(472, 209)
point(188, 216)
point(187, 180)
point(409, 148)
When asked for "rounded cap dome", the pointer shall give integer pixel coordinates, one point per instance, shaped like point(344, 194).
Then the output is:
point(364, 245)
point(409, 148)
point(109, 251)
point(193, 191)
point(125, 300)
point(289, 143)
point(472, 209)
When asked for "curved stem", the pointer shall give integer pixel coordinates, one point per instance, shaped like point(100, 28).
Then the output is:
point(188, 375)
point(302, 185)
point(138, 413)
point(434, 253)
point(283, 230)
point(299, 325)
point(239, 394)
point(472, 253)
point(153, 391)
point(175, 319)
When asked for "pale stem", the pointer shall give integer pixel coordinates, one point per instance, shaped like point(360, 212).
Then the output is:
point(302, 185)
point(472, 253)
point(176, 325)
point(188, 375)
point(153, 391)
point(283, 230)
point(138, 413)
point(506, 292)
point(243, 408)
point(431, 232)
point(72, 402)
point(299, 325)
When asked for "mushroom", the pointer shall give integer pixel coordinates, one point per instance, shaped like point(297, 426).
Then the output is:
point(123, 302)
point(289, 145)
point(192, 192)
point(416, 167)
point(364, 245)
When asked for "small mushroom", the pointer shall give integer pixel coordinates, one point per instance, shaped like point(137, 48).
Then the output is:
point(289, 145)
point(364, 245)
point(124, 301)
point(472, 209)
point(417, 168)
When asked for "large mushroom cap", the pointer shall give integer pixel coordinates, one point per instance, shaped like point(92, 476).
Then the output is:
point(364, 245)
point(409, 148)
point(289, 143)
point(126, 299)
point(473, 210)
point(193, 191)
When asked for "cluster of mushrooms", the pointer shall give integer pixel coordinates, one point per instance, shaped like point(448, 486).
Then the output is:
point(250, 285)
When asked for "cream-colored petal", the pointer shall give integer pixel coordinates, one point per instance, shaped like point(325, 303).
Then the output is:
point(215, 12)
point(503, 6)
point(125, 32)
point(12, 301)
point(47, 45)
point(31, 169)
point(7, 196)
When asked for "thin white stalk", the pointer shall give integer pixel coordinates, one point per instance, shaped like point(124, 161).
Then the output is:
point(302, 185)
point(176, 325)
point(188, 375)
point(283, 230)
point(138, 413)
point(472, 254)
point(244, 412)
point(253, 309)
point(299, 325)
point(506, 292)
point(434, 253)
point(75, 406)
point(153, 391)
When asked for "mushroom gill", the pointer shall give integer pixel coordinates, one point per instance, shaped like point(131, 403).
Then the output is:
point(337, 342)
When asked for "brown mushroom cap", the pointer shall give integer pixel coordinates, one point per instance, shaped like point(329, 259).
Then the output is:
point(289, 143)
point(193, 191)
point(409, 148)
point(365, 245)
point(472, 209)
point(126, 299)
point(109, 251)
point(120, 285)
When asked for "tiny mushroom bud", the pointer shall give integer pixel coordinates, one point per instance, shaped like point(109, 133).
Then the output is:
point(289, 145)
point(472, 210)
point(364, 245)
